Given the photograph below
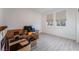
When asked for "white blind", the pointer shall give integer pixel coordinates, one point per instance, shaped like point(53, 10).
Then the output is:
point(61, 15)
point(50, 16)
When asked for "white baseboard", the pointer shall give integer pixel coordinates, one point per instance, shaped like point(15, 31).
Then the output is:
point(77, 41)
point(56, 36)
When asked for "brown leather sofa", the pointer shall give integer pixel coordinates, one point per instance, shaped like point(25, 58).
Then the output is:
point(11, 33)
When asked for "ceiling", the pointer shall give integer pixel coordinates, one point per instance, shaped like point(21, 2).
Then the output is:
point(39, 10)
point(45, 10)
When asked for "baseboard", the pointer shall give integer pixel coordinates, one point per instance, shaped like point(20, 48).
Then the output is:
point(41, 33)
point(57, 36)
point(77, 41)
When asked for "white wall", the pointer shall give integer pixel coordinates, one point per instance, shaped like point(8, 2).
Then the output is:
point(69, 31)
point(1, 16)
point(18, 17)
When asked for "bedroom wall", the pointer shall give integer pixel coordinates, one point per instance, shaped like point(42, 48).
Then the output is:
point(1, 16)
point(69, 31)
point(19, 17)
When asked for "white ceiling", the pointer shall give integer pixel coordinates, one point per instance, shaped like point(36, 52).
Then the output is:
point(39, 10)
point(45, 10)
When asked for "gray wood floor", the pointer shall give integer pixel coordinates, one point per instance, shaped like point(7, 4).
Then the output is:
point(53, 43)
